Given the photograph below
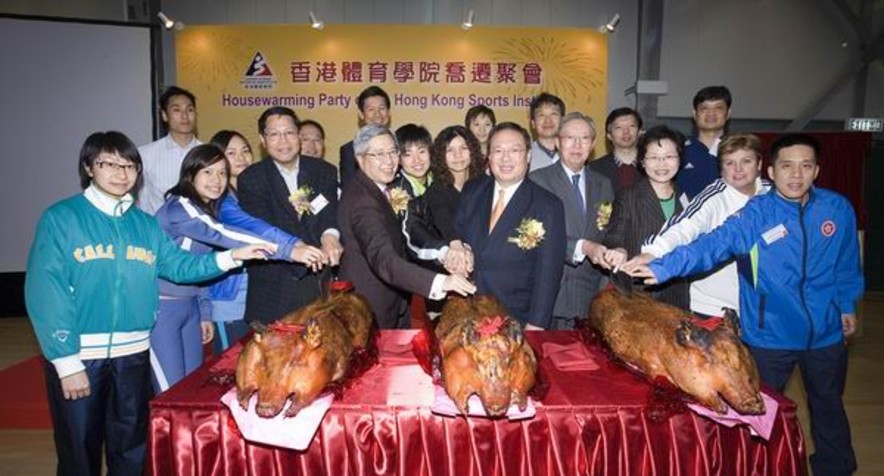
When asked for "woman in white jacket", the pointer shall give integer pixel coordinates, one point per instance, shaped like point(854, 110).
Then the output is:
point(739, 158)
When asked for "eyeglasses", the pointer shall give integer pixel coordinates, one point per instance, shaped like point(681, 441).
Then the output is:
point(392, 154)
point(276, 136)
point(500, 152)
point(661, 158)
point(115, 167)
point(574, 140)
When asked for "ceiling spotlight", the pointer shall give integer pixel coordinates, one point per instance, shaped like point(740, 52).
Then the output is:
point(611, 25)
point(468, 20)
point(169, 23)
point(315, 23)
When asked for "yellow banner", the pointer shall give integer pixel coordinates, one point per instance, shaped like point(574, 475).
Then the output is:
point(433, 74)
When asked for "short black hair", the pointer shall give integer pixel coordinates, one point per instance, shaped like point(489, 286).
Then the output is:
point(275, 111)
point(112, 142)
point(788, 140)
point(173, 91)
point(480, 110)
point(510, 126)
point(620, 112)
point(543, 99)
point(371, 91)
point(311, 122)
point(198, 158)
point(713, 93)
point(657, 134)
point(413, 134)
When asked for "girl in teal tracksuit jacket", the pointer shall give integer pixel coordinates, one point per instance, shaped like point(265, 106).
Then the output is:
point(91, 294)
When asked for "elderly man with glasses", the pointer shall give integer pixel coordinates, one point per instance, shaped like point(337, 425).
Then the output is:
point(587, 196)
point(374, 258)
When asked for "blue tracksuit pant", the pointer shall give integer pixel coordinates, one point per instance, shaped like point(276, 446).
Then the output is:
point(824, 372)
point(113, 415)
point(175, 342)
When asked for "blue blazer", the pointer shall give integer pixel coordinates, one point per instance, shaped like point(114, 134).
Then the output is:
point(525, 281)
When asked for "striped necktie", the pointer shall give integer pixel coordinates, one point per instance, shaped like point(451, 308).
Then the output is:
point(575, 179)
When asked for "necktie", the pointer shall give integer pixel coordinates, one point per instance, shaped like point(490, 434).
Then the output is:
point(497, 211)
point(575, 179)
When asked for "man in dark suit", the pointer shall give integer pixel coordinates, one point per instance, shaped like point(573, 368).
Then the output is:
point(373, 105)
point(516, 230)
point(622, 128)
point(374, 258)
point(297, 194)
point(587, 197)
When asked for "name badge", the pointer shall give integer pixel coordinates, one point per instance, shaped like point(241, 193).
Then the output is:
point(318, 204)
point(776, 233)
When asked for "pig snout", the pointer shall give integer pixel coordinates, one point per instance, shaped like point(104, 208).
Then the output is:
point(268, 409)
point(495, 408)
point(496, 396)
point(269, 406)
point(753, 405)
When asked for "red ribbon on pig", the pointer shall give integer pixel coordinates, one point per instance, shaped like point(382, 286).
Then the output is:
point(286, 328)
point(710, 324)
point(340, 286)
point(490, 326)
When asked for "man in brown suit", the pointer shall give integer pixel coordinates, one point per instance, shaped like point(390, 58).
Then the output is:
point(374, 254)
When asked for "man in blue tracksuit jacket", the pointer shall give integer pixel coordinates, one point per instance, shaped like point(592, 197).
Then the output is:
point(800, 279)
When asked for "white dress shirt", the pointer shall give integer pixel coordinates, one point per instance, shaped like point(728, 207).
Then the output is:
point(162, 167)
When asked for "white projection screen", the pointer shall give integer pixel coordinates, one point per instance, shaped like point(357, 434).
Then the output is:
point(61, 81)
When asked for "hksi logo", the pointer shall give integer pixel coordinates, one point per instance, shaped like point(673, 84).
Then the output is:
point(259, 75)
point(828, 228)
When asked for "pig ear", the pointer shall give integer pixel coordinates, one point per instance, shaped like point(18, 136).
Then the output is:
point(470, 335)
point(514, 332)
point(689, 335)
point(258, 326)
point(312, 333)
point(731, 320)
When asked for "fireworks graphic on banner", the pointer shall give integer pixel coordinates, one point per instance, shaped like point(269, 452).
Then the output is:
point(567, 69)
point(210, 58)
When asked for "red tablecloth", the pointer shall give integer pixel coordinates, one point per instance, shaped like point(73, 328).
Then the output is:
point(590, 422)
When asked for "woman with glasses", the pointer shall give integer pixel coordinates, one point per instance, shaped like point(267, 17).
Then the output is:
point(91, 294)
point(640, 211)
point(228, 296)
point(190, 217)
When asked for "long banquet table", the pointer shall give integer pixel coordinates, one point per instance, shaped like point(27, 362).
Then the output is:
point(589, 422)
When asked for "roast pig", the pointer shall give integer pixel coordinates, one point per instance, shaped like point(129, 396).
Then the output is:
point(299, 355)
point(712, 366)
point(484, 353)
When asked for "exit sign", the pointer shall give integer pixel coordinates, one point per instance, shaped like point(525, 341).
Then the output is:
point(865, 124)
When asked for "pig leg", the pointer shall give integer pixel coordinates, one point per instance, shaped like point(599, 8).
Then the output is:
point(249, 373)
point(306, 388)
point(460, 373)
point(523, 377)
